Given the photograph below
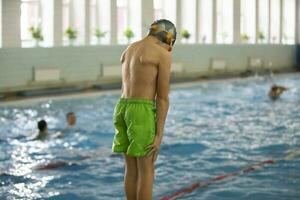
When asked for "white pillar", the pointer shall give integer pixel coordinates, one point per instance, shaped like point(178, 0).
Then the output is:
point(236, 21)
point(147, 15)
point(178, 19)
point(113, 22)
point(256, 20)
point(197, 21)
point(214, 21)
point(10, 16)
point(1, 23)
point(98, 7)
point(57, 23)
point(269, 24)
point(297, 21)
point(280, 21)
point(71, 13)
point(87, 30)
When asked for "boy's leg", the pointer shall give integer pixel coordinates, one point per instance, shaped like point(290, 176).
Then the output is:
point(145, 177)
point(131, 177)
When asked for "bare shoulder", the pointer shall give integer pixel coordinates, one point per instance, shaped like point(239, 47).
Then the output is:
point(134, 45)
point(161, 53)
point(128, 49)
point(165, 57)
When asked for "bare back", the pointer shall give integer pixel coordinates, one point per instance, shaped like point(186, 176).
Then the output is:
point(140, 68)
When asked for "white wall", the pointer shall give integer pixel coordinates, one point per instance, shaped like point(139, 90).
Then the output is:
point(82, 64)
point(198, 57)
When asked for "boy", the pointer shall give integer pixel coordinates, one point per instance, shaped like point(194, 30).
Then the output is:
point(276, 91)
point(141, 112)
point(43, 130)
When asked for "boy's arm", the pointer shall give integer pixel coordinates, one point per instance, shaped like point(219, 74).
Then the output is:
point(122, 59)
point(162, 94)
point(282, 88)
point(162, 102)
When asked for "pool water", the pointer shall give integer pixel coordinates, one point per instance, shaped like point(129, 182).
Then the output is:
point(213, 128)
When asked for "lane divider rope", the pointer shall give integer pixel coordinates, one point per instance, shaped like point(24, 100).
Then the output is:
point(190, 188)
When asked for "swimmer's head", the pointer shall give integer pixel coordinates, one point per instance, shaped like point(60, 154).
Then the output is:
point(71, 118)
point(274, 87)
point(42, 126)
point(163, 30)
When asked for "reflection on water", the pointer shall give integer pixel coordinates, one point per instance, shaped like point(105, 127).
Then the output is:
point(212, 128)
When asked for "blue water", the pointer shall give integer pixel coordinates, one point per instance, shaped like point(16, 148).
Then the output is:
point(212, 128)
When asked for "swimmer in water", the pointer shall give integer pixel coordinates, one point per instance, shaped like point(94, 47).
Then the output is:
point(70, 126)
point(276, 91)
point(43, 130)
point(140, 113)
point(71, 119)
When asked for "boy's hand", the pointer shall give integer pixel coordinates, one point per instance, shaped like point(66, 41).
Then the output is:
point(155, 147)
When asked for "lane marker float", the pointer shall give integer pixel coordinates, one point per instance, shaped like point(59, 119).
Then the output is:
point(201, 184)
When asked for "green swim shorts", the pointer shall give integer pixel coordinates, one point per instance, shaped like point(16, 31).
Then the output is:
point(135, 126)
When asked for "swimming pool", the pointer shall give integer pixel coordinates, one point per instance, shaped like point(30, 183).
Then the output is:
point(213, 128)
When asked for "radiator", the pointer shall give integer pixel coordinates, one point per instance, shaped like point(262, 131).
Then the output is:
point(255, 63)
point(46, 74)
point(177, 67)
point(112, 70)
point(218, 64)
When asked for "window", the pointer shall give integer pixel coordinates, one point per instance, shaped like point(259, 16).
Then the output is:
point(100, 21)
point(275, 21)
point(135, 18)
point(188, 20)
point(158, 9)
point(205, 21)
point(248, 24)
point(288, 23)
point(47, 22)
point(36, 14)
point(123, 21)
point(30, 17)
point(129, 20)
point(165, 9)
point(73, 19)
point(263, 28)
point(224, 21)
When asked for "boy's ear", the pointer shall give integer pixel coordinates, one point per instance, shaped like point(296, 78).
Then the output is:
point(170, 47)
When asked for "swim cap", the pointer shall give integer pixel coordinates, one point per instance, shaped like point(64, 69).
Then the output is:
point(164, 30)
